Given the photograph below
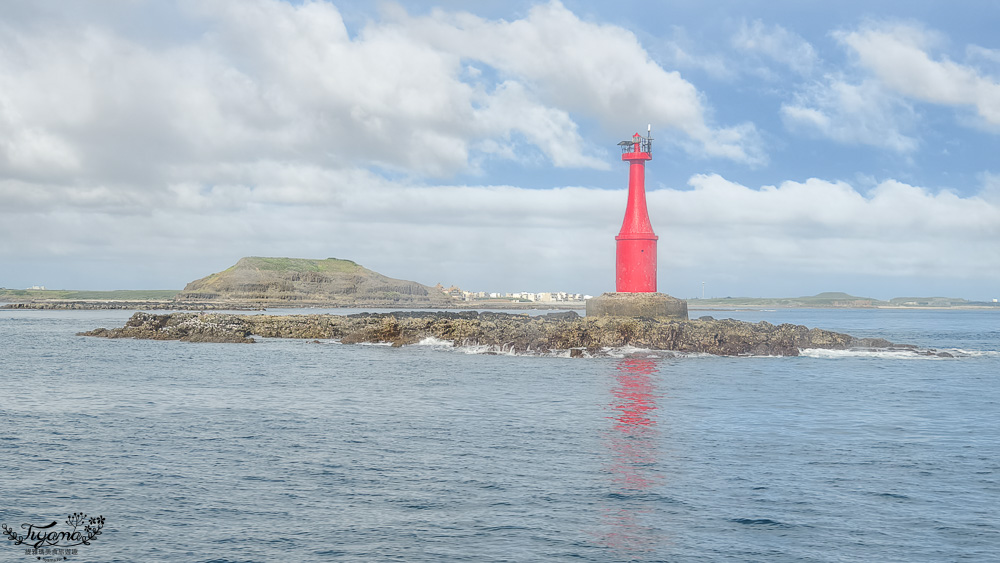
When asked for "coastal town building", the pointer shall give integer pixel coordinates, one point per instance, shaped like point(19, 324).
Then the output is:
point(517, 296)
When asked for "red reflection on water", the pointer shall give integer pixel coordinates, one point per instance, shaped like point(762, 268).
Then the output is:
point(632, 444)
point(635, 394)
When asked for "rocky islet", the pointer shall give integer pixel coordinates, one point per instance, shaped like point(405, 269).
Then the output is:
point(519, 333)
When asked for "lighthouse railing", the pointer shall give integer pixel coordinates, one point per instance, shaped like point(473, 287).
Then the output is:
point(645, 145)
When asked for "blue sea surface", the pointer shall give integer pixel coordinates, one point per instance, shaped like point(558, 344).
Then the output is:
point(289, 450)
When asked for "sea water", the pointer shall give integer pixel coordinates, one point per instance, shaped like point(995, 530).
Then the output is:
point(289, 450)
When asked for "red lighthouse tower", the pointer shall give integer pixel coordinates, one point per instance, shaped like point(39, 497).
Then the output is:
point(636, 254)
point(635, 294)
point(635, 265)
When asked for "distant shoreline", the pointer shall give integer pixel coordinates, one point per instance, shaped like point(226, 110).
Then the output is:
point(168, 299)
point(90, 305)
point(153, 305)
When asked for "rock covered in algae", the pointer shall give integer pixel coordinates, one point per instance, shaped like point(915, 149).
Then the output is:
point(502, 331)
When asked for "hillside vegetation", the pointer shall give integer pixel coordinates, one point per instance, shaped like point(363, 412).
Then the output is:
point(298, 281)
point(69, 294)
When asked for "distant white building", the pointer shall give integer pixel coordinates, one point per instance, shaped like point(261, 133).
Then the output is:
point(542, 297)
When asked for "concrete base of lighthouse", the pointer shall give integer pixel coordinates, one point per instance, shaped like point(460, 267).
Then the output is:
point(649, 305)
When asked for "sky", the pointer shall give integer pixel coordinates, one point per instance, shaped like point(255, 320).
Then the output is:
point(800, 147)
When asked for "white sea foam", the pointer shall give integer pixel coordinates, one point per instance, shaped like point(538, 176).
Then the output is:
point(494, 350)
point(628, 351)
point(897, 353)
point(435, 342)
point(958, 352)
point(860, 353)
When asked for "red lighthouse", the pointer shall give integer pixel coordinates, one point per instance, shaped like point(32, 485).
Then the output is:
point(636, 254)
point(635, 293)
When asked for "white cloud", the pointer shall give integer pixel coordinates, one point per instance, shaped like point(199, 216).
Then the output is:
point(270, 80)
point(873, 103)
point(552, 130)
point(982, 54)
point(990, 187)
point(599, 70)
point(825, 227)
point(681, 53)
point(777, 43)
point(899, 56)
point(504, 237)
point(848, 113)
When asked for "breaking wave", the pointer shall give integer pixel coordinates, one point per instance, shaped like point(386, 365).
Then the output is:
point(507, 350)
point(633, 352)
point(628, 351)
point(898, 353)
point(435, 342)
